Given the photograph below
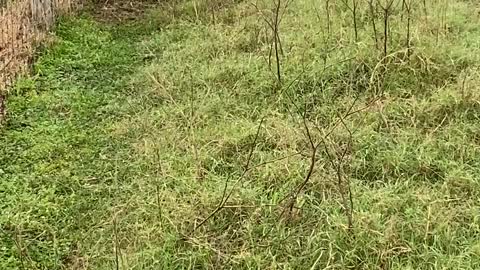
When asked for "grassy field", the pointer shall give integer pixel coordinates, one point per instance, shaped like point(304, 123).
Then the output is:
point(176, 140)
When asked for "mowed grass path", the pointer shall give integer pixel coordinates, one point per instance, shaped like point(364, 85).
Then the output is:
point(121, 141)
point(63, 171)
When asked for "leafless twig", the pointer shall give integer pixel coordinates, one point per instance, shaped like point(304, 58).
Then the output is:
point(226, 196)
point(276, 47)
point(373, 16)
point(115, 243)
point(353, 8)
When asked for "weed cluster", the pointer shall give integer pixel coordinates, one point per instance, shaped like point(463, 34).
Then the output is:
point(297, 134)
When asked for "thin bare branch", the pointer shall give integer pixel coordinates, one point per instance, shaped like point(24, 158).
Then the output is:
point(225, 196)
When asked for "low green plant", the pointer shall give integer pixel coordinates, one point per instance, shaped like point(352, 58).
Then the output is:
point(120, 147)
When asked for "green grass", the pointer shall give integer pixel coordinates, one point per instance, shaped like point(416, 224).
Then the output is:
point(124, 135)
